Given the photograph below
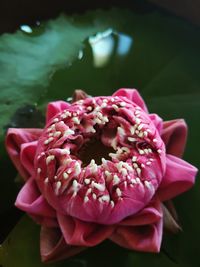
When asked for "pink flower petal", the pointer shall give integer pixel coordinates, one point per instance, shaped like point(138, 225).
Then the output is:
point(27, 155)
point(81, 233)
point(14, 140)
point(133, 95)
point(53, 246)
point(158, 122)
point(141, 238)
point(179, 177)
point(31, 201)
point(150, 214)
point(174, 135)
point(54, 108)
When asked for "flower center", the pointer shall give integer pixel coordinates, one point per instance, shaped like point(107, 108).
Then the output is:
point(96, 150)
point(100, 160)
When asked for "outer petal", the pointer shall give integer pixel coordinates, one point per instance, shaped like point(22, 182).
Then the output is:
point(142, 237)
point(54, 108)
point(150, 214)
point(174, 135)
point(179, 177)
point(79, 233)
point(53, 246)
point(158, 122)
point(27, 155)
point(14, 141)
point(133, 95)
point(31, 201)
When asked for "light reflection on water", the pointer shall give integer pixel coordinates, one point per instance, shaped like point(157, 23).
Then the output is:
point(105, 44)
point(26, 29)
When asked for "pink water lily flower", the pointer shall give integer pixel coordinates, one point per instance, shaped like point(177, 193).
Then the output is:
point(100, 169)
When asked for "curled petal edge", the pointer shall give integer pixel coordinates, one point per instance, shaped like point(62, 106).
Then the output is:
point(174, 135)
point(179, 177)
point(133, 95)
point(31, 201)
point(79, 233)
point(53, 246)
point(54, 108)
point(14, 140)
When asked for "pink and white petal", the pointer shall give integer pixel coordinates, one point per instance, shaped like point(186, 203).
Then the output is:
point(31, 201)
point(79, 233)
point(27, 156)
point(133, 95)
point(14, 140)
point(54, 108)
point(149, 215)
point(158, 122)
point(174, 135)
point(145, 238)
point(53, 246)
point(179, 177)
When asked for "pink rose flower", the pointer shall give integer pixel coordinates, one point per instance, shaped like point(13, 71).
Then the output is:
point(101, 168)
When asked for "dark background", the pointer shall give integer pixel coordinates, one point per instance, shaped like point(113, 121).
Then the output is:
point(16, 12)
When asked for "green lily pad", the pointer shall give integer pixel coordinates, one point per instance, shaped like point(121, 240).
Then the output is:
point(100, 52)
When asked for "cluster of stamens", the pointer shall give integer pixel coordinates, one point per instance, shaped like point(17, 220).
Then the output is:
point(118, 124)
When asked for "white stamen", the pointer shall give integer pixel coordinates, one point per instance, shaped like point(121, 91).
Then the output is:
point(131, 139)
point(103, 105)
point(104, 161)
point(137, 179)
point(99, 187)
point(148, 163)
point(58, 186)
point(122, 104)
point(87, 181)
point(120, 130)
point(94, 196)
point(141, 134)
point(65, 151)
point(68, 132)
point(140, 127)
point(105, 198)
point(49, 159)
point(112, 203)
point(134, 158)
point(86, 199)
point(39, 170)
point(65, 175)
point(124, 171)
point(135, 165)
point(147, 184)
point(57, 134)
point(56, 120)
point(138, 170)
point(155, 140)
point(141, 152)
point(116, 108)
point(89, 191)
point(77, 168)
point(76, 120)
point(132, 129)
point(118, 192)
point(46, 180)
point(137, 120)
point(89, 108)
point(116, 179)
